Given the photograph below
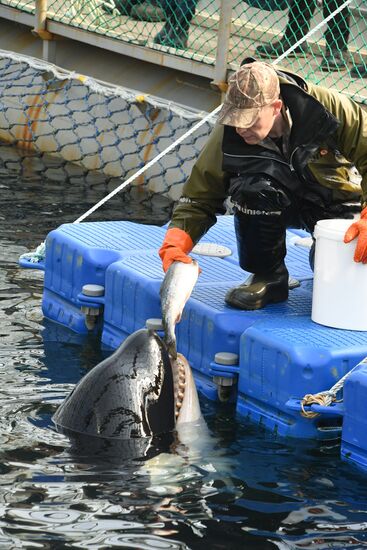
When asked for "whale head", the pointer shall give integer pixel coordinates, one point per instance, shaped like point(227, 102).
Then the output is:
point(137, 392)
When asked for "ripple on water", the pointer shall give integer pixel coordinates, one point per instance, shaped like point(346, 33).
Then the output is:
point(237, 487)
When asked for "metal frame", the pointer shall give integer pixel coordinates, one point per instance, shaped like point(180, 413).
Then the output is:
point(127, 48)
point(47, 30)
point(17, 16)
point(214, 69)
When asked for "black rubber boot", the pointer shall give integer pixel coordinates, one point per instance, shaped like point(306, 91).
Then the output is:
point(276, 49)
point(359, 71)
point(333, 61)
point(299, 20)
point(172, 37)
point(260, 290)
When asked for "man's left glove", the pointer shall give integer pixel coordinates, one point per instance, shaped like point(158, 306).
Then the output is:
point(359, 229)
point(175, 248)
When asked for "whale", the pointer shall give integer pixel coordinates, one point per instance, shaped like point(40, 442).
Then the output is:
point(134, 396)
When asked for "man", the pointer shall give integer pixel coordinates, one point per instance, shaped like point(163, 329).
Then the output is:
point(280, 152)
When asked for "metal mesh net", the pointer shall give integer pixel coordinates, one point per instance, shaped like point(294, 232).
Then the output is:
point(335, 55)
point(111, 132)
point(94, 131)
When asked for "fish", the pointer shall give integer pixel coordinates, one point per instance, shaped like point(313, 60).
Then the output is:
point(175, 290)
point(133, 396)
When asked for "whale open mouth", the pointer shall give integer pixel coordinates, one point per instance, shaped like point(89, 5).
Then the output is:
point(136, 392)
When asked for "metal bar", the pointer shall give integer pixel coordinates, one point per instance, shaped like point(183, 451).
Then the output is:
point(138, 52)
point(224, 35)
point(211, 68)
point(40, 30)
point(40, 27)
point(49, 50)
point(16, 15)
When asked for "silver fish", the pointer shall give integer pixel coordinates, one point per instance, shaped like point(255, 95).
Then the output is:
point(175, 290)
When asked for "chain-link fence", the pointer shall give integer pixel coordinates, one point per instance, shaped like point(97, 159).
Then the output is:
point(221, 33)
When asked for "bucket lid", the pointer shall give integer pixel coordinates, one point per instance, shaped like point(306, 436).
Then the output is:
point(332, 229)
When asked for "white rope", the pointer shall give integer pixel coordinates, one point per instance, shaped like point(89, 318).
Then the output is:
point(148, 165)
point(327, 397)
point(201, 122)
point(35, 256)
point(96, 86)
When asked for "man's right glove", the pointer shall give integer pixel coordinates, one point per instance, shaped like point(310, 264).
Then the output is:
point(176, 245)
point(359, 229)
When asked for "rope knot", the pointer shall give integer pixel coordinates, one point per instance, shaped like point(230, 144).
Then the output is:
point(324, 398)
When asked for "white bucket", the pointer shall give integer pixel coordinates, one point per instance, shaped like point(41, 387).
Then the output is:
point(339, 297)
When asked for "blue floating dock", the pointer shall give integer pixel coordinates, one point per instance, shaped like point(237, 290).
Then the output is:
point(79, 254)
point(282, 354)
point(354, 434)
point(286, 356)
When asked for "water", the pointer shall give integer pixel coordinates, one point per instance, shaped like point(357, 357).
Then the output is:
point(239, 488)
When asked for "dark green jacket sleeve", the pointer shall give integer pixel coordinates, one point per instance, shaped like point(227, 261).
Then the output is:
point(352, 132)
point(204, 192)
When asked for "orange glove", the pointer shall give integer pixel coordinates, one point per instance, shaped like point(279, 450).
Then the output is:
point(176, 245)
point(359, 229)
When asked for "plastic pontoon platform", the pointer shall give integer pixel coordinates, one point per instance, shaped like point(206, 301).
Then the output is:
point(282, 354)
point(354, 433)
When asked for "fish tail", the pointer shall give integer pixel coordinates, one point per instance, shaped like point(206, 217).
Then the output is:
point(171, 347)
point(172, 350)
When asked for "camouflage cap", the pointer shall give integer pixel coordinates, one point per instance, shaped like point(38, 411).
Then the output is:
point(251, 88)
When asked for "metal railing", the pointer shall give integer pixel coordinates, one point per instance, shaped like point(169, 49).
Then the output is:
point(210, 37)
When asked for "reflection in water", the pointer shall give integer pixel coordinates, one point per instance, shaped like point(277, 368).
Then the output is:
point(234, 486)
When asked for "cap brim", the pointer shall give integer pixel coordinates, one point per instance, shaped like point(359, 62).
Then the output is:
point(239, 118)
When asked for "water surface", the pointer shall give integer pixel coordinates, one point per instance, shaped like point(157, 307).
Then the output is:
point(239, 488)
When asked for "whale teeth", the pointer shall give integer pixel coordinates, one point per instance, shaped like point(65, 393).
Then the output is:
point(179, 385)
